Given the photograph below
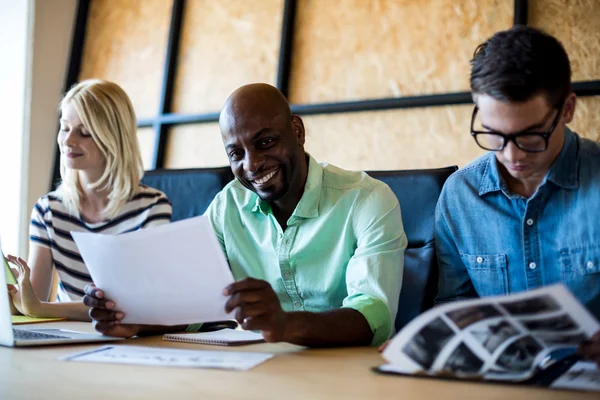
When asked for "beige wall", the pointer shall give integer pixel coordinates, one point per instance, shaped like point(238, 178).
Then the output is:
point(15, 24)
point(344, 50)
point(51, 43)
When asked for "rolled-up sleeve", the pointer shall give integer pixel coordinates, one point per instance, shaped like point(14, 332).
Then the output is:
point(374, 273)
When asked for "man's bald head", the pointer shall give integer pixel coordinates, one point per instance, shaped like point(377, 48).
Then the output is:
point(264, 142)
point(254, 101)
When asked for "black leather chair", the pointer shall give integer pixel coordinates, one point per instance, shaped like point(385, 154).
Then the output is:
point(189, 190)
point(418, 192)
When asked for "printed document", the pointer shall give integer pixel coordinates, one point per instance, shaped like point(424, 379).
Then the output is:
point(505, 338)
point(172, 274)
point(163, 357)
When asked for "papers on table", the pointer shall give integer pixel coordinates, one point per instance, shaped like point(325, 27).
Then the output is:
point(173, 274)
point(137, 355)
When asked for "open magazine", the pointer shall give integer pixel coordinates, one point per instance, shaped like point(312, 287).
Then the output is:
point(505, 338)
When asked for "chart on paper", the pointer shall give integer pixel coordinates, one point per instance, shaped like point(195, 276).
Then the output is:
point(137, 355)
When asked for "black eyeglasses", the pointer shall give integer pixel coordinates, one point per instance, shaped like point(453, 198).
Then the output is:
point(529, 141)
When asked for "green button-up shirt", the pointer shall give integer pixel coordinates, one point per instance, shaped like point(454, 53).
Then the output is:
point(343, 247)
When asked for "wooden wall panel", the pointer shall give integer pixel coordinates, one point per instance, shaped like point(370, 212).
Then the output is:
point(125, 42)
point(587, 118)
point(225, 44)
point(576, 23)
point(356, 49)
point(397, 139)
point(190, 146)
point(146, 137)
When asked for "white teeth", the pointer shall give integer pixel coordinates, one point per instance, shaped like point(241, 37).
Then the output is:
point(266, 178)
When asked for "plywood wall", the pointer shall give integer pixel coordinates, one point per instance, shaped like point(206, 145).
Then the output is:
point(224, 45)
point(190, 145)
point(396, 139)
point(587, 118)
point(576, 23)
point(356, 49)
point(125, 42)
point(343, 50)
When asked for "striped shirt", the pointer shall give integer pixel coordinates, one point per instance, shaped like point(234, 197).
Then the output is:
point(51, 227)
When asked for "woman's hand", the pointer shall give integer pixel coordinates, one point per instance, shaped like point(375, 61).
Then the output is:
point(24, 298)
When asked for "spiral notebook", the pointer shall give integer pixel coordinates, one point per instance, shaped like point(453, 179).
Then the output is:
point(223, 337)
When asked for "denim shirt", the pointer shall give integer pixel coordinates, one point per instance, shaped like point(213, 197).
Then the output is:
point(490, 241)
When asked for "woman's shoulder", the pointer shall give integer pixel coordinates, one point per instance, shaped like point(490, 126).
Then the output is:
point(149, 195)
point(51, 200)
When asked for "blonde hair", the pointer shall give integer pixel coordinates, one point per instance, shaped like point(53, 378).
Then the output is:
point(107, 114)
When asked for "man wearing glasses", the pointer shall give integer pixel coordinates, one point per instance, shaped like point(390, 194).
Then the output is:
point(527, 213)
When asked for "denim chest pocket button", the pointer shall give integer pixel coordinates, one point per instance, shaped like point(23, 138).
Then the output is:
point(590, 265)
point(487, 272)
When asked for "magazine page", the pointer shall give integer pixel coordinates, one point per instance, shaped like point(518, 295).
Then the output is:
point(499, 338)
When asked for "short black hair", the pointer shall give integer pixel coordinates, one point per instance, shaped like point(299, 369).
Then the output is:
point(519, 63)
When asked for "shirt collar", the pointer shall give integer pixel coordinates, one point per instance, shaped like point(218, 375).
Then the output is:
point(490, 180)
point(563, 171)
point(308, 206)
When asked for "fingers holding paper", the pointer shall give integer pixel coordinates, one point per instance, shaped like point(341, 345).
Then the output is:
point(257, 307)
point(105, 318)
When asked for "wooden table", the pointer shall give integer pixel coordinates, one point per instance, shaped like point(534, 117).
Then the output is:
point(294, 373)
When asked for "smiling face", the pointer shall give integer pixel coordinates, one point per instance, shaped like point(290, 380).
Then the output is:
point(264, 143)
point(77, 147)
point(535, 115)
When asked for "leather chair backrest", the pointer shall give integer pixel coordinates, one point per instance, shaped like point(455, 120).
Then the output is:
point(418, 192)
point(189, 190)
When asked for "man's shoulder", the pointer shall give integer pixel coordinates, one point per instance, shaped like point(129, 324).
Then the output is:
point(471, 174)
point(356, 189)
point(337, 178)
point(464, 185)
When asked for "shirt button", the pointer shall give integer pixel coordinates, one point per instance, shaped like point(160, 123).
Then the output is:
point(297, 304)
point(532, 265)
point(286, 275)
point(529, 222)
point(479, 260)
point(590, 264)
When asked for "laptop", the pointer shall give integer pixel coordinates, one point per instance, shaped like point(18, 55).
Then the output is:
point(24, 337)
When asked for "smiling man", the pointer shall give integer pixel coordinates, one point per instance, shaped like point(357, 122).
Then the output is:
point(317, 251)
point(525, 214)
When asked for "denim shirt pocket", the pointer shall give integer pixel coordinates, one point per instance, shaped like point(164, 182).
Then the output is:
point(487, 272)
point(580, 269)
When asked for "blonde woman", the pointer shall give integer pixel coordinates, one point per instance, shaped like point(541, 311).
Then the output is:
point(101, 168)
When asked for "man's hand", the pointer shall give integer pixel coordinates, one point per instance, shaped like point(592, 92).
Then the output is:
point(257, 308)
point(24, 299)
point(590, 349)
point(105, 318)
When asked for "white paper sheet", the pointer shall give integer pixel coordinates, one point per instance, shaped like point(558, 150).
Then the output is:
point(173, 274)
point(582, 375)
point(137, 355)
